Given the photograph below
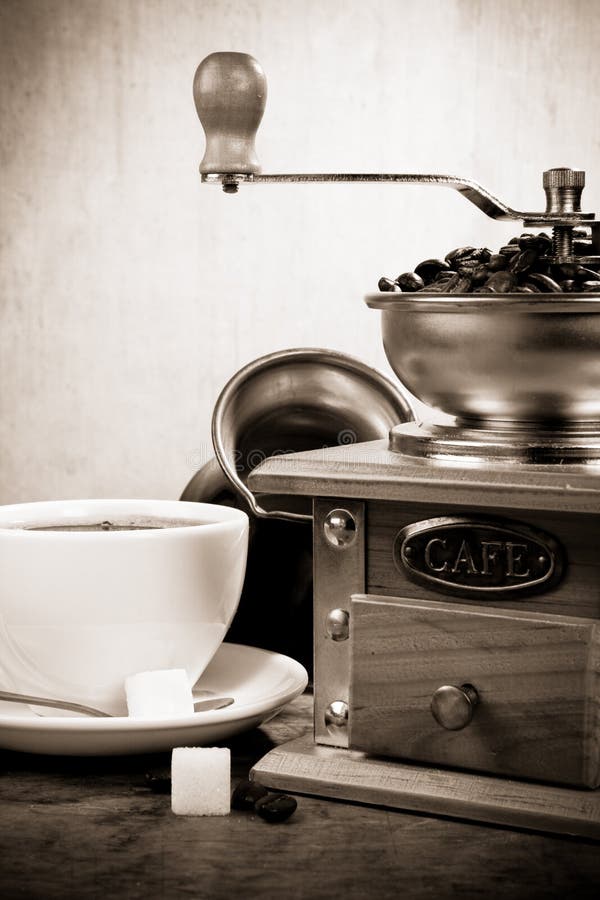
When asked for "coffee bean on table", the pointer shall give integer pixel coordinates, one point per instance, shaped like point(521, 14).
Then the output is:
point(410, 281)
point(246, 794)
point(158, 784)
point(276, 807)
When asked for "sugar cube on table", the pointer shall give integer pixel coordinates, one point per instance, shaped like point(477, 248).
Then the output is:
point(200, 781)
point(165, 692)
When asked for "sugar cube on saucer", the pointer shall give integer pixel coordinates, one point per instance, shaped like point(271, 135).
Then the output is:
point(166, 692)
point(200, 781)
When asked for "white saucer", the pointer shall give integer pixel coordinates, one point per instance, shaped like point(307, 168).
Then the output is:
point(261, 681)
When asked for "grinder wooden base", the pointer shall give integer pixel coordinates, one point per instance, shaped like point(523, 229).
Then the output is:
point(303, 767)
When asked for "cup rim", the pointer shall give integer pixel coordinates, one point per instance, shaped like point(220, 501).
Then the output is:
point(16, 519)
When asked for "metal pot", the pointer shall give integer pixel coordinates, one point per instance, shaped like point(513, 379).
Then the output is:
point(287, 401)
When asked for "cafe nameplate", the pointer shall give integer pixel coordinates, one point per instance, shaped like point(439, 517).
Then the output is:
point(471, 556)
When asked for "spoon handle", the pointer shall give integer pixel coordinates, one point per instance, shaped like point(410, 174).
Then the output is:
point(55, 704)
point(199, 705)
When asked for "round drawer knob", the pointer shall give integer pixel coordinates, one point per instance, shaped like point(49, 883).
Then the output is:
point(453, 707)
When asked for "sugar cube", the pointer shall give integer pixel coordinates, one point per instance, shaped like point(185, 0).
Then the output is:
point(200, 781)
point(166, 692)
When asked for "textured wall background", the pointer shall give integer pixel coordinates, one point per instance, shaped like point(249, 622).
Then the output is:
point(129, 293)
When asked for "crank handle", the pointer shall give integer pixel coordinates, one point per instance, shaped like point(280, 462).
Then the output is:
point(230, 91)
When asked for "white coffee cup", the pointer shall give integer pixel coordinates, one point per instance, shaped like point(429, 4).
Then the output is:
point(154, 586)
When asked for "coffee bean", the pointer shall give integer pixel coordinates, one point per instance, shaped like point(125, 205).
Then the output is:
point(501, 283)
point(469, 262)
point(590, 287)
point(479, 274)
point(560, 271)
point(462, 285)
point(444, 283)
point(584, 274)
point(430, 268)
point(410, 281)
point(497, 262)
point(542, 265)
point(509, 250)
point(522, 262)
point(276, 807)
point(546, 284)
point(466, 266)
point(540, 242)
point(246, 794)
point(455, 256)
point(158, 784)
point(568, 286)
point(387, 285)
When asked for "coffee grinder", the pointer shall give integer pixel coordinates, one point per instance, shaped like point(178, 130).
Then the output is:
point(456, 566)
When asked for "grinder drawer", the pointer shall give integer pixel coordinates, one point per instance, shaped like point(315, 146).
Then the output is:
point(509, 692)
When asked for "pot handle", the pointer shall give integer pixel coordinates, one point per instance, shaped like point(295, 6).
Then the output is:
point(229, 468)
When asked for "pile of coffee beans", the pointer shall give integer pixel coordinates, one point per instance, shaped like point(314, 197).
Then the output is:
point(523, 266)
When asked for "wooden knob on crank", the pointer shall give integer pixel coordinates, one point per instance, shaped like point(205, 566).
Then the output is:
point(230, 90)
point(453, 707)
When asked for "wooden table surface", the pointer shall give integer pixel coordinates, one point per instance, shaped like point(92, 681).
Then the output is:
point(88, 827)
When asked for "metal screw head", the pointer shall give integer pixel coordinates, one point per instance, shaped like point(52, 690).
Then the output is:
point(563, 189)
point(336, 717)
point(337, 624)
point(340, 528)
point(564, 177)
point(453, 707)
